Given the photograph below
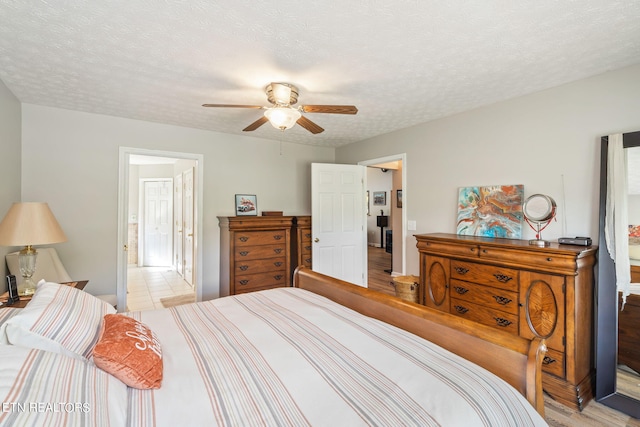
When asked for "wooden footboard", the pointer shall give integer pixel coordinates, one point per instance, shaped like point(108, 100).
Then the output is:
point(515, 359)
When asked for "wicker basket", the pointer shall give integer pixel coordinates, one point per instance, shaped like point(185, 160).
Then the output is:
point(407, 287)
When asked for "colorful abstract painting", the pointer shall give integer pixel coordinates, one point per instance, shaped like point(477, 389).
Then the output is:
point(491, 211)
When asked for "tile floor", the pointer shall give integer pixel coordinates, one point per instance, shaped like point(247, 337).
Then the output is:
point(146, 285)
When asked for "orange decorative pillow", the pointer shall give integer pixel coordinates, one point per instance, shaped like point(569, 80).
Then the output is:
point(130, 351)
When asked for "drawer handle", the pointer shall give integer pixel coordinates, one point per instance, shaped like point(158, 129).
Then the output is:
point(244, 281)
point(502, 277)
point(243, 238)
point(461, 270)
point(502, 300)
point(548, 360)
point(277, 263)
point(502, 322)
point(277, 237)
point(472, 249)
point(308, 260)
point(308, 248)
point(461, 290)
point(460, 309)
point(278, 276)
point(549, 259)
point(307, 235)
point(244, 253)
point(277, 250)
point(244, 267)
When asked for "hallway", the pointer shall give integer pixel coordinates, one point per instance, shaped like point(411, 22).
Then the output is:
point(147, 285)
point(379, 261)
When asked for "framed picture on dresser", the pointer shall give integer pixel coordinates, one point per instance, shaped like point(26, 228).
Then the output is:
point(246, 205)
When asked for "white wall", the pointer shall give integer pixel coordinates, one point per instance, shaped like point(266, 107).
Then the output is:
point(377, 181)
point(548, 141)
point(10, 170)
point(72, 159)
point(634, 209)
point(396, 221)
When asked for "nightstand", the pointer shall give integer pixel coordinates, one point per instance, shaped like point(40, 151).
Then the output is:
point(79, 284)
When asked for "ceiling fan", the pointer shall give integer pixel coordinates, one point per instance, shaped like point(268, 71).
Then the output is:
point(282, 115)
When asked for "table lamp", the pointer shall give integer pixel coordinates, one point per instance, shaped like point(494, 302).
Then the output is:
point(27, 224)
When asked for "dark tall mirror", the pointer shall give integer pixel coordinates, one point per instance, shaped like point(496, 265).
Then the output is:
point(618, 332)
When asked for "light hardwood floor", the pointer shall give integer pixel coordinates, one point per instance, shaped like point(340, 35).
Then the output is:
point(556, 414)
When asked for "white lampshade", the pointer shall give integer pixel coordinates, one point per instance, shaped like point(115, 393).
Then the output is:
point(30, 223)
point(282, 117)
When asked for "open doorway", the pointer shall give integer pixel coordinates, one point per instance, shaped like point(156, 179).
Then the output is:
point(386, 221)
point(159, 207)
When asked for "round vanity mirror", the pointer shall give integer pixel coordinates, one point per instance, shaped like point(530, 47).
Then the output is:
point(539, 209)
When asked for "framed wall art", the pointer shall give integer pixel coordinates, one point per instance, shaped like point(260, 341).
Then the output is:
point(246, 205)
point(491, 211)
point(379, 198)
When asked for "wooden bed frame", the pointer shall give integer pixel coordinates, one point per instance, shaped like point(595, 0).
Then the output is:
point(515, 359)
point(628, 332)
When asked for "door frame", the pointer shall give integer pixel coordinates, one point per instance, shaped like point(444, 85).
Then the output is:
point(123, 216)
point(405, 199)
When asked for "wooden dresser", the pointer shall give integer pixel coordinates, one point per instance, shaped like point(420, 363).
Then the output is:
point(301, 251)
point(255, 253)
point(526, 290)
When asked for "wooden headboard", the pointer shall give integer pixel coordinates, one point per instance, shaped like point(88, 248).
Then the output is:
point(515, 359)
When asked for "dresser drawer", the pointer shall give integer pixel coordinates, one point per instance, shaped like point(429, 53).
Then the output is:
point(495, 298)
point(253, 282)
point(553, 363)
point(538, 260)
point(264, 265)
point(305, 236)
point(306, 248)
point(447, 248)
point(255, 238)
point(491, 275)
point(258, 252)
point(485, 315)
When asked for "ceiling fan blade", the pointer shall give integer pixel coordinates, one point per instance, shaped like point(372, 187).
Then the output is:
point(232, 106)
point(332, 109)
point(309, 125)
point(255, 125)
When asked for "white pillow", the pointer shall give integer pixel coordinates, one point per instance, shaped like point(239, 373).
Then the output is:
point(634, 252)
point(43, 388)
point(60, 319)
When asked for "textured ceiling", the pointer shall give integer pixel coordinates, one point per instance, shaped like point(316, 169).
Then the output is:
point(400, 62)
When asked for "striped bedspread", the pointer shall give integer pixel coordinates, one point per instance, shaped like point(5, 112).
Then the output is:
point(288, 357)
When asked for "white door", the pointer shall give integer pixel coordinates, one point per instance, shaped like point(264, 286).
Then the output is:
point(177, 231)
point(158, 223)
point(338, 227)
point(188, 224)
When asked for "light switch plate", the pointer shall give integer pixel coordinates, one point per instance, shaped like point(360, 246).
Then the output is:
point(411, 225)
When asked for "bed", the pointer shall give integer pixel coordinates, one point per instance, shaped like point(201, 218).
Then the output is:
point(629, 317)
point(324, 352)
point(628, 322)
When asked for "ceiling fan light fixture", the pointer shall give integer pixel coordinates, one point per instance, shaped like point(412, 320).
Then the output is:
point(283, 94)
point(282, 117)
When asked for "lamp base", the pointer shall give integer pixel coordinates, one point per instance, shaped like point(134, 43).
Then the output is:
point(539, 242)
point(27, 287)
